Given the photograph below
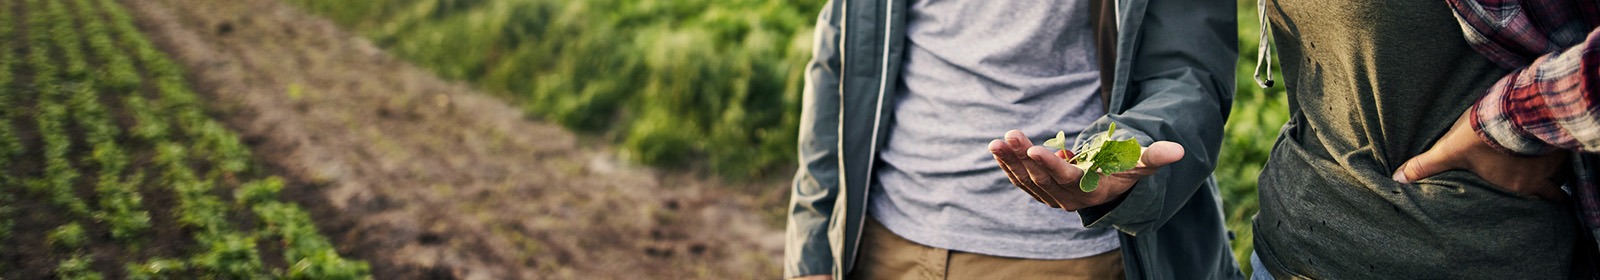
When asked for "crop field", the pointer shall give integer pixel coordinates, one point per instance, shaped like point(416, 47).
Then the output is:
point(111, 168)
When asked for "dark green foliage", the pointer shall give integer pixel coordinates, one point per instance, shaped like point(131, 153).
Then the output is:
point(52, 117)
point(117, 72)
point(1252, 128)
point(230, 256)
point(258, 192)
point(11, 147)
point(77, 268)
point(309, 254)
point(155, 269)
point(69, 236)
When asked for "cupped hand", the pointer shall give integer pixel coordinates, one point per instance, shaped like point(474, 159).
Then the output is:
point(1051, 180)
point(1462, 149)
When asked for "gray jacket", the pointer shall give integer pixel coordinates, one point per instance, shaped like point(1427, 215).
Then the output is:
point(1177, 86)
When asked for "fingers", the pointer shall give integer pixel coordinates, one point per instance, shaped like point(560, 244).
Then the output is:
point(1041, 176)
point(1018, 143)
point(997, 147)
point(1424, 165)
point(1018, 173)
point(1157, 155)
point(1161, 153)
point(1055, 167)
point(1053, 179)
point(1036, 175)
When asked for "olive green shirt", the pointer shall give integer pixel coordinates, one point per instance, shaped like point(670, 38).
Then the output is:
point(1372, 84)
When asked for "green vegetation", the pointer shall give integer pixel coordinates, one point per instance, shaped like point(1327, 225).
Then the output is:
point(10, 146)
point(1100, 155)
point(682, 81)
point(115, 121)
point(696, 80)
point(68, 236)
point(1251, 131)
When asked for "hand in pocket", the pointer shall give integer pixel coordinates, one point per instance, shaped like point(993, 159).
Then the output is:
point(1462, 149)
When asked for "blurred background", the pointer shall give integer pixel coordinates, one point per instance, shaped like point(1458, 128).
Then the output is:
point(479, 139)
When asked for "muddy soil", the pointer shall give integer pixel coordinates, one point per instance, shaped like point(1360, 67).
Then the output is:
point(425, 178)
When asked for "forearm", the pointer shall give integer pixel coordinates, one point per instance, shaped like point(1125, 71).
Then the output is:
point(1188, 117)
point(1546, 106)
point(1179, 89)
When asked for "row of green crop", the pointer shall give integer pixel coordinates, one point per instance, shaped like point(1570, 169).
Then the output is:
point(193, 155)
point(59, 90)
point(119, 197)
point(309, 254)
point(72, 237)
point(227, 252)
point(10, 146)
point(50, 26)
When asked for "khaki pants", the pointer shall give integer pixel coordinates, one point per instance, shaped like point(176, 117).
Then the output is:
point(885, 255)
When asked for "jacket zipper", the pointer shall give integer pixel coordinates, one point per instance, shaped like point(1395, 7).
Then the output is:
point(877, 122)
point(844, 63)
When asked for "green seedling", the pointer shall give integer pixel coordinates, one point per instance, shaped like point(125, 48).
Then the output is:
point(1100, 156)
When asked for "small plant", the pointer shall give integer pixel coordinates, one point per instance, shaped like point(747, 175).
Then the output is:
point(259, 191)
point(155, 269)
point(70, 236)
point(77, 268)
point(233, 256)
point(1100, 156)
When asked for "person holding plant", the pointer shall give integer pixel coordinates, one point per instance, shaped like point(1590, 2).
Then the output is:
point(903, 96)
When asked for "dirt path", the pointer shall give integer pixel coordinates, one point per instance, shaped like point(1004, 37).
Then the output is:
point(430, 179)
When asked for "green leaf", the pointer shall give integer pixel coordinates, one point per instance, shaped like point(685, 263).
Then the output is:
point(1102, 155)
point(1060, 142)
point(1090, 180)
point(1118, 156)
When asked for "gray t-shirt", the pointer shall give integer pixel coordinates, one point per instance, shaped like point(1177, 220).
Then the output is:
point(972, 71)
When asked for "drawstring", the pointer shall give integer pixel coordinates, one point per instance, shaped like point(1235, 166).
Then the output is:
point(1263, 47)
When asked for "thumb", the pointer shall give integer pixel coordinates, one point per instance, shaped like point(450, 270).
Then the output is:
point(1424, 165)
point(1160, 154)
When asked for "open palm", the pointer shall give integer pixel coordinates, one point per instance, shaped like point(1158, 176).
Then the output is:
point(1051, 180)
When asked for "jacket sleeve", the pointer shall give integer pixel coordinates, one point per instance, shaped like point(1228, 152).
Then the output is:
point(816, 183)
point(1179, 88)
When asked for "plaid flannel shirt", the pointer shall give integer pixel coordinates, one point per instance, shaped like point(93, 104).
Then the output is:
point(1548, 103)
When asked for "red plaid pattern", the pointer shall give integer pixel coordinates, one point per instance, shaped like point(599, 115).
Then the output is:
point(1548, 103)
